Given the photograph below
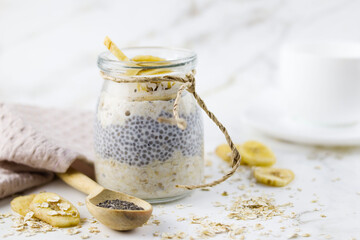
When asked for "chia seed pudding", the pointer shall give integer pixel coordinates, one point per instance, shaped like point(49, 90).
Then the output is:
point(138, 155)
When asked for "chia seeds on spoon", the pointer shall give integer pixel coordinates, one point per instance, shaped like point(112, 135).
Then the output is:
point(119, 204)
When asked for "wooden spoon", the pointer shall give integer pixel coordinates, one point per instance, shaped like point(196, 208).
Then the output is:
point(113, 218)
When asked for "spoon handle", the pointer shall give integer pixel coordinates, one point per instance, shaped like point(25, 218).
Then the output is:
point(79, 181)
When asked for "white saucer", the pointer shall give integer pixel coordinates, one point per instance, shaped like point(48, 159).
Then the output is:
point(268, 116)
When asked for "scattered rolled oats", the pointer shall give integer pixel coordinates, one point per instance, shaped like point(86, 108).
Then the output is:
point(85, 236)
point(8, 235)
point(197, 220)
point(207, 233)
point(29, 234)
point(218, 204)
point(53, 199)
point(30, 226)
point(258, 226)
point(178, 235)
point(94, 230)
point(181, 206)
point(156, 222)
point(28, 216)
point(237, 231)
point(72, 231)
point(44, 205)
point(5, 215)
point(93, 220)
point(210, 229)
point(64, 206)
point(336, 179)
point(306, 235)
point(294, 235)
point(53, 213)
point(252, 208)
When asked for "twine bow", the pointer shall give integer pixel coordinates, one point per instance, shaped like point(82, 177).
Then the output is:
point(188, 83)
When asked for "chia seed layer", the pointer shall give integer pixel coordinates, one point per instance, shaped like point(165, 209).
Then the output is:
point(141, 140)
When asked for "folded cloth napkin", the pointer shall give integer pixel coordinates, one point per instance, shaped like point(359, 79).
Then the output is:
point(35, 142)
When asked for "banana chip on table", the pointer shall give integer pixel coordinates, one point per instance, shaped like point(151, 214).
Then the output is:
point(55, 210)
point(254, 153)
point(277, 177)
point(224, 152)
point(21, 204)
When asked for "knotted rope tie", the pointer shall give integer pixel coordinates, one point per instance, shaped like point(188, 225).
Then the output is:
point(188, 83)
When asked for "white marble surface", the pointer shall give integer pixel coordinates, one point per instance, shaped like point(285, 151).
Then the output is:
point(48, 53)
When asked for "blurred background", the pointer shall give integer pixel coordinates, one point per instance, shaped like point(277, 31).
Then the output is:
point(48, 49)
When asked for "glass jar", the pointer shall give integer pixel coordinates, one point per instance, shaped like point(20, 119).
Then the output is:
point(135, 152)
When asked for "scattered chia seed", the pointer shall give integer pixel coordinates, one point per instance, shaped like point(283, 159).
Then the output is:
point(119, 204)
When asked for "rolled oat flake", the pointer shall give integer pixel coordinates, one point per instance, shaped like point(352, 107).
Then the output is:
point(119, 204)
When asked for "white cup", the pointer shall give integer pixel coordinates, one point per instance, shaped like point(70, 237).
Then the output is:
point(320, 82)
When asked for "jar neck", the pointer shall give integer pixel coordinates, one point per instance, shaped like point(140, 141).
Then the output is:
point(178, 62)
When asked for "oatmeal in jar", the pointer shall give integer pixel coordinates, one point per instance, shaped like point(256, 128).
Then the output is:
point(135, 152)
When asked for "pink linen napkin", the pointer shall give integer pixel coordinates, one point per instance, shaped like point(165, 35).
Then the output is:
point(34, 142)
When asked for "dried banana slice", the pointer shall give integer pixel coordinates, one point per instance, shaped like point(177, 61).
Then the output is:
point(143, 59)
point(277, 177)
point(21, 204)
point(147, 58)
point(254, 153)
point(110, 45)
point(115, 50)
point(132, 72)
point(146, 61)
point(55, 210)
point(224, 152)
point(153, 72)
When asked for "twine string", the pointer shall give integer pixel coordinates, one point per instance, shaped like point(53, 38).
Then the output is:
point(188, 83)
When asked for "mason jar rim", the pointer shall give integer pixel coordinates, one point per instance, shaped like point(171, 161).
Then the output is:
point(107, 62)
